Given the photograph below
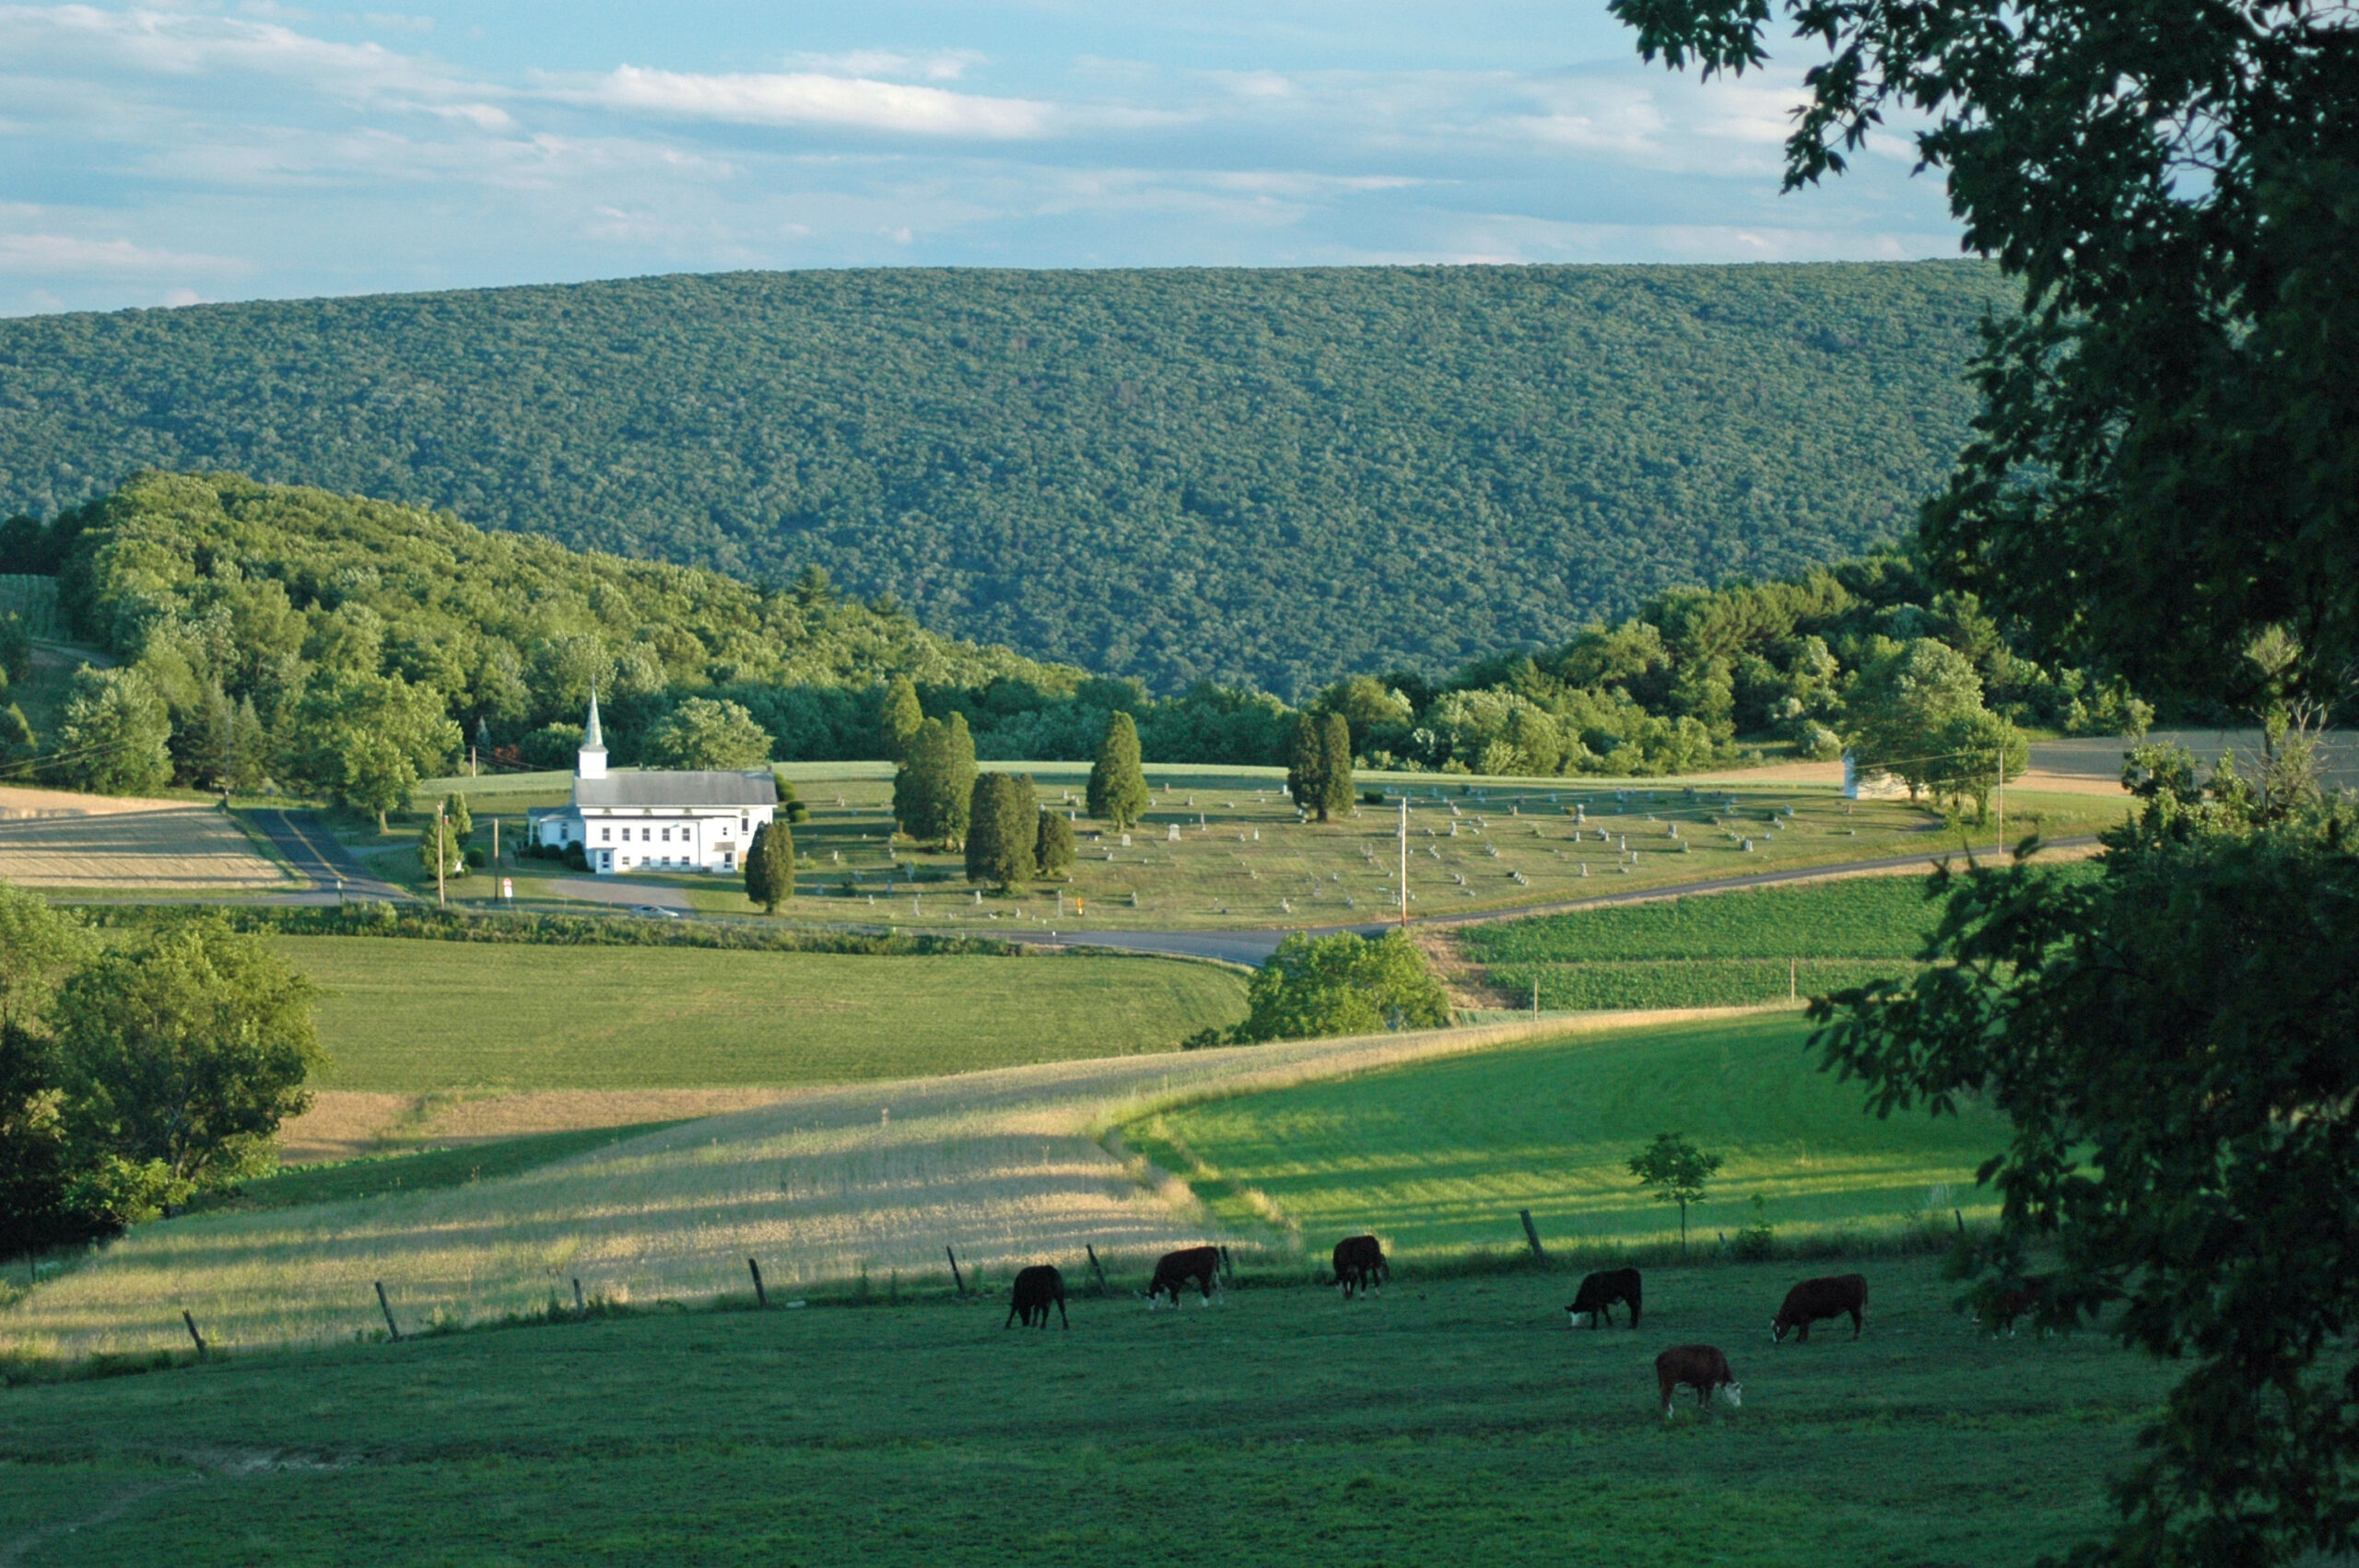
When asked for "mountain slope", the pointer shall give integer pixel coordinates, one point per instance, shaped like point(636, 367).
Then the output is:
point(1266, 475)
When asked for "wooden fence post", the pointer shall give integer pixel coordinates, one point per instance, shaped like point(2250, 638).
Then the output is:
point(761, 1296)
point(192, 1333)
point(1095, 1269)
point(1227, 1265)
point(1532, 1235)
point(386, 1307)
point(955, 1278)
point(581, 1307)
point(1959, 1216)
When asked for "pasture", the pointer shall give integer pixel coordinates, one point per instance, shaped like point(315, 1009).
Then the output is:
point(824, 1186)
point(414, 1016)
point(1220, 848)
point(1447, 1421)
point(56, 839)
point(1437, 1157)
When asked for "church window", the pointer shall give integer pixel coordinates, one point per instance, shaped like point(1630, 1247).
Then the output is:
point(605, 836)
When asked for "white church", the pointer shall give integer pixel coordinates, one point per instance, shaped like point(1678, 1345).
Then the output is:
point(653, 820)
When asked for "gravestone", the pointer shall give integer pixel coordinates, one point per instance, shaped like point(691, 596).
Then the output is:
point(1171, 834)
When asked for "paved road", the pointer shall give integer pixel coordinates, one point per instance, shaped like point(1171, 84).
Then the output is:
point(1250, 947)
point(316, 856)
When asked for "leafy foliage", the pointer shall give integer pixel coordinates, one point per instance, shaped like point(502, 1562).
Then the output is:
point(1052, 846)
point(1116, 787)
point(769, 866)
point(1677, 1170)
point(934, 788)
point(1128, 471)
point(1342, 984)
point(1003, 830)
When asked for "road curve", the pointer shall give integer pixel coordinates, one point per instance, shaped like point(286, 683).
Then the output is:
point(319, 859)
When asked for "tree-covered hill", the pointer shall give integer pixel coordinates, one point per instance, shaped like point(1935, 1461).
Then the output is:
point(1269, 476)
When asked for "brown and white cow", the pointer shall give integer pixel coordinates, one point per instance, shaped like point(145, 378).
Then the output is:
point(2028, 1294)
point(1360, 1265)
point(1700, 1367)
point(1198, 1266)
point(1833, 1296)
point(1598, 1294)
point(1036, 1289)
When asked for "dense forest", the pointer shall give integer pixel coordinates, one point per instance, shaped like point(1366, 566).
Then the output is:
point(1266, 478)
point(346, 648)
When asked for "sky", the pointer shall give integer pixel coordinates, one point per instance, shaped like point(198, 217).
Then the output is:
point(167, 155)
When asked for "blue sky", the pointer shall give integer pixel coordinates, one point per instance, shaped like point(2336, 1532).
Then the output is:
point(174, 153)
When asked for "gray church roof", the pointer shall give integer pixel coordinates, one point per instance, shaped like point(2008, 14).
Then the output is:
point(666, 788)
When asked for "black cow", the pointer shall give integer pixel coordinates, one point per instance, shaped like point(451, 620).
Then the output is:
point(1829, 1297)
point(1036, 1289)
point(1700, 1367)
point(1198, 1266)
point(1360, 1265)
point(1599, 1292)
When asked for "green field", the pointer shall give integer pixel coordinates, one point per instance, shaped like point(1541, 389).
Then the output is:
point(1723, 950)
point(411, 1016)
point(1448, 1421)
point(1436, 1158)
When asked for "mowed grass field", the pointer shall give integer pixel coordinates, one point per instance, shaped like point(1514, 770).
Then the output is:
point(1437, 1157)
point(1240, 858)
point(1446, 1422)
point(411, 1016)
point(54, 839)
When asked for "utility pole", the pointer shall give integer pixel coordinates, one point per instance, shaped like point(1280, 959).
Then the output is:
point(1404, 858)
point(440, 845)
point(2002, 791)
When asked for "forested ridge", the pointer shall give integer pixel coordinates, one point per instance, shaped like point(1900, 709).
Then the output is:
point(1264, 477)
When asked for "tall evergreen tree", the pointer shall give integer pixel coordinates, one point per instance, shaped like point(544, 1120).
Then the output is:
point(899, 717)
point(769, 866)
point(1335, 767)
point(1117, 783)
point(932, 791)
point(1052, 845)
point(1003, 830)
point(1307, 765)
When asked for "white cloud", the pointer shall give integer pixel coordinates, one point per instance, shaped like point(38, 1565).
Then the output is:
point(805, 98)
point(40, 253)
point(942, 65)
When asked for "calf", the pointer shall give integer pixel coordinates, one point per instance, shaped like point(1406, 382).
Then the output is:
point(1198, 1266)
point(1815, 1299)
point(2028, 1295)
point(1037, 1288)
point(1699, 1367)
point(1360, 1265)
point(1598, 1294)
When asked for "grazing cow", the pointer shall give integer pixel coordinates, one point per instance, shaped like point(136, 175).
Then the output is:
point(2029, 1295)
point(1598, 1294)
point(1037, 1288)
point(1359, 1264)
point(1699, 1367)
point(1198, 1266)
point(1815, 1299)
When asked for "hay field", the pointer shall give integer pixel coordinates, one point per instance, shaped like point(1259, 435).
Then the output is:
point(1006, 1167)
point(1437, 1157)
point(54, 838)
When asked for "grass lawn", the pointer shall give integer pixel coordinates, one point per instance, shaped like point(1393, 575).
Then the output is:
point(1437, 1157)
point(1721, 950)
point(1448, 1421)
point(409, 1016)
point(1242, 860)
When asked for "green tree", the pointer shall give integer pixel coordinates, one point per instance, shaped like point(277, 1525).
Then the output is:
point(114, 738)
point(1342, 984)
point(1118, 792)
point(365, 741)
point(1003, 830)
point(935, 782)
point(1307, 764)
point(1052, 845)
point(1912, 708)
point(769, 866)
point(704, 734)
point(15, 648)
point(1334, 767)
point(181, 1053)
point(898, 717)
point(39, 1171)
point(39, 945)
point(449, 832)
point(1677, 1170)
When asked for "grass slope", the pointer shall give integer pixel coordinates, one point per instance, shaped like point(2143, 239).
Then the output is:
point(1137, 471)
point(1447, 1421)
point(1437, 1157)
point(411, 1016)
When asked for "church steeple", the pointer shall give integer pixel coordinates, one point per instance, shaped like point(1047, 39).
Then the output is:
point(593, 744)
